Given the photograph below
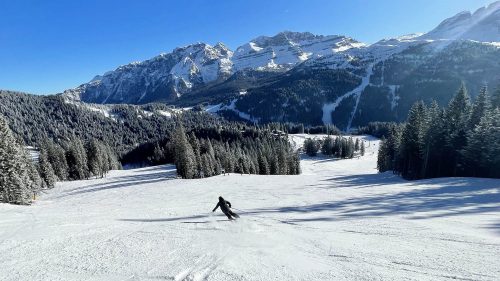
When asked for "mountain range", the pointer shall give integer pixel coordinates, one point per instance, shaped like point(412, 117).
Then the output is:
point(313, 79)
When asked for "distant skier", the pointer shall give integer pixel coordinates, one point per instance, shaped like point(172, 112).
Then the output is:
point(225, 208)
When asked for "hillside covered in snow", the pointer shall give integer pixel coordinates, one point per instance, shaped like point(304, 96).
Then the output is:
point(338, 220)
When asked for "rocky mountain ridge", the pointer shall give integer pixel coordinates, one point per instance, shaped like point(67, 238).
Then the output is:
point(313, 78)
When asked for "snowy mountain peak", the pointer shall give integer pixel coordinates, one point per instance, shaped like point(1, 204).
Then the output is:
point(282, 38)
point(200, 63)
point(287, 49)
point(222, 48)
point(482, 25)
point(187, 69)
point(162, 77)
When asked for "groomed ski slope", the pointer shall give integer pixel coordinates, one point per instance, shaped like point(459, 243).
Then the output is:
point(339, 220)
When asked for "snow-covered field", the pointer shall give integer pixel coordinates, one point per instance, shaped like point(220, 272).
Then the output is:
point(339, 220)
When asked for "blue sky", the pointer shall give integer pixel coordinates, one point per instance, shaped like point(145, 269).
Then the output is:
point(49, 46)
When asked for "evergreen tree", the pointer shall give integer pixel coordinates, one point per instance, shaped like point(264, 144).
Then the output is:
point(263, 165)
point(479, 108)
point(383, 159)
point(195, 144)
point(350, 147)
point(457, 119)
point(76, 158)
point(100, 159)
point(112, 160)
point(274, 165)
point(57, 159)
point(327, 146)
point(158, 154)
point(495, 98)
point(95, 158)
point(295, 168)
point(35, 182)
point(283, 162)
point(337, 147)
point(16, 181)
point(345, 149)
point(206, 166)
point(184, 156)
point(311, 147)
point(434, 141)
point(411, 151)
point(45, 169)
point(482, 152)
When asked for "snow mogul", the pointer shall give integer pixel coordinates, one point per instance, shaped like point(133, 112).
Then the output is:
point(225, 208)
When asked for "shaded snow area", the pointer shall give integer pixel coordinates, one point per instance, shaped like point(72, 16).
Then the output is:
point(339, 220)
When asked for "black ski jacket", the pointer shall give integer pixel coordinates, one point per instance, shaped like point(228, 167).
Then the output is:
point(223, 204)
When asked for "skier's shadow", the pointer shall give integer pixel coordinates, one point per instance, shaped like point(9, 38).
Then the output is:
point(495, 227)
point(194, 222)
point(188, 219)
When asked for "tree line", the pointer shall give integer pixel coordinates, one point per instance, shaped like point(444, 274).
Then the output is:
point(22, 175)
point(205, 152)
point(33, 119)
point(377, 129)
point(339, 147)
point(233, 147)
point(462, 139)
point(76, 160)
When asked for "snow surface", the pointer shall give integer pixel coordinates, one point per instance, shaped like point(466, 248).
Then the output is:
point(165, 113)
point(339, 220)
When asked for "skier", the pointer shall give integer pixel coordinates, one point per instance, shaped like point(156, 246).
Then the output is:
point(225, 208)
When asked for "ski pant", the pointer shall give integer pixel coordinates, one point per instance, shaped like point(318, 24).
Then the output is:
point(230, 214)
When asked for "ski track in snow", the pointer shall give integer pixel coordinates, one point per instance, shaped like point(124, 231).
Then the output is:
point(364, 83)
point(338, 220)
point(329, 108)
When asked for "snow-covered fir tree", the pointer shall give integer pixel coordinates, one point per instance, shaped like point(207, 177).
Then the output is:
point(18, 177)
point(45, 169)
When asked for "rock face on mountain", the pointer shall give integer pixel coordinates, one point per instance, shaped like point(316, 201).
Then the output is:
point(314, 79)
point(167, 77)
point(163, 78)
point(287, 49)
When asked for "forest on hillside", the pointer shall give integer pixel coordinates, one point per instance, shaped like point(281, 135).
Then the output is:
point(77, 143)
point(73, 142)
point(34, 119)
point(461, 140)
point(198, 152)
